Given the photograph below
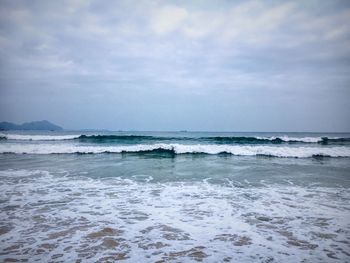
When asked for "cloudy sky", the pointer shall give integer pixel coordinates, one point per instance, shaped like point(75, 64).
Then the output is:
point(175, 65)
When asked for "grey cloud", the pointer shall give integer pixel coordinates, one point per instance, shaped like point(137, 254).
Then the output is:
point(117, 65)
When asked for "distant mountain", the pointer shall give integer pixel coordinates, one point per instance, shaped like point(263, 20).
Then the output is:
point(8, 126)
point(34, 125)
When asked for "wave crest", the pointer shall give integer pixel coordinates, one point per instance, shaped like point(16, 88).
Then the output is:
point(134, 139)
point(273, 151)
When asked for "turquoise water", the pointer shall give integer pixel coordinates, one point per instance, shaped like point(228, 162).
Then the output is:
point(177, 197)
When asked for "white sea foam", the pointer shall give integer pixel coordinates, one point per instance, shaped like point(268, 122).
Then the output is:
point(27, 137)
point(72, 218)
point(276, 151)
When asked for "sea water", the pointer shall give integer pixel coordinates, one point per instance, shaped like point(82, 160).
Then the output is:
point(174, 197)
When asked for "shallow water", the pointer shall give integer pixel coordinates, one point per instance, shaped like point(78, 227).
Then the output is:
point(160, 206)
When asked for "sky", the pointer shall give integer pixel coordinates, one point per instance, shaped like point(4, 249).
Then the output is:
point(177, 65)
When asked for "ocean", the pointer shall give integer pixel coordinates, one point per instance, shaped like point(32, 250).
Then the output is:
point(174, 197)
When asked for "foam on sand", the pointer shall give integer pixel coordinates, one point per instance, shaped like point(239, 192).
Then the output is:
point(66, 218)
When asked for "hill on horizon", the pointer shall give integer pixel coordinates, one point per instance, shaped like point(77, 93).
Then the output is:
point(34, 125)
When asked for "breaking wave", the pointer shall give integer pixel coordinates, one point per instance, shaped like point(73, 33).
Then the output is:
point(175, 149)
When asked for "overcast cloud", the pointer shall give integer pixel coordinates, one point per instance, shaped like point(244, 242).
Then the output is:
point(175, 65)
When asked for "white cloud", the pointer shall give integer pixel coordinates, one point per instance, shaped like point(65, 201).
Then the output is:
point(248, 22)
point(167, 19)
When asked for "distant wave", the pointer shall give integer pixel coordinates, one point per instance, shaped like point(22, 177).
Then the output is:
point(215, 139)
point(273, 151)
point(26, 137)
point(117, 138)
point(145, 138)
point(326, 140)
point(260, 140)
